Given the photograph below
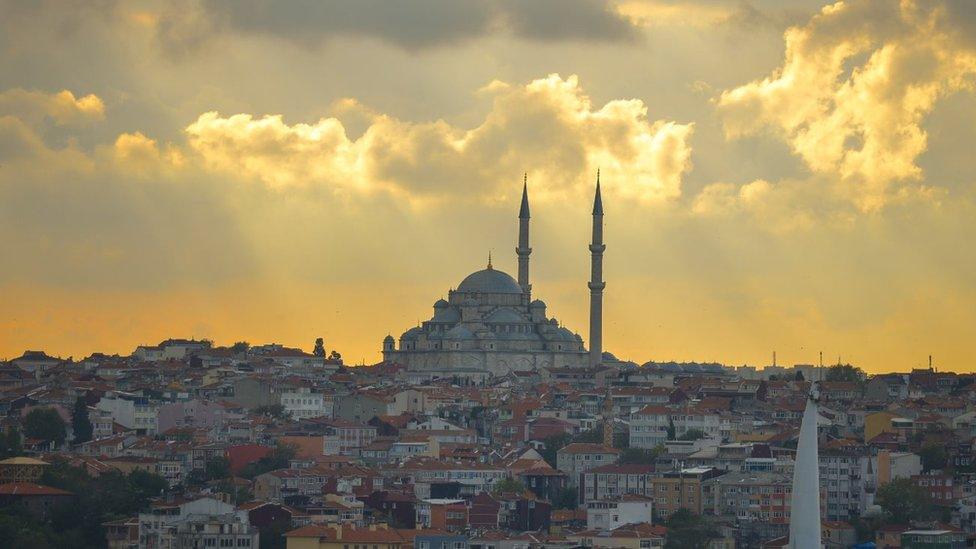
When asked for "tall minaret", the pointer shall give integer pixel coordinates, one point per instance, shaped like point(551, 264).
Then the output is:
point(523, 250)
point(596, 280)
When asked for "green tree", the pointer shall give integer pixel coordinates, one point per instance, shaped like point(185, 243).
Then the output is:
point(692, 434)
point(240, 347)
point(552, 444)
point(277, 459)
point(80, 423)
point(565, 498)
point(276, 411)
point(319, 347)
point(110, 496)
point(933, 456)
point(335, 356)
point(844, 372)
point(508, 485)
point(10, 443)
point(45, 424)
point(273, 535)
point(902, 501)
point(686, 530)
point(672, 432)
point(217, 468)
point(593, 436)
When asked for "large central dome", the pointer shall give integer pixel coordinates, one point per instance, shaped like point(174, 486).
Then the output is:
point(489, 281)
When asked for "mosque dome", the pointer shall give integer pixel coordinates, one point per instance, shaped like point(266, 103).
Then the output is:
point(537, 304)
point(489, 281)
point(441, 304)
point(412, 333)
point(446, 315)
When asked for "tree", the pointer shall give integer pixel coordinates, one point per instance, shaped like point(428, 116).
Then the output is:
point(276, 411)
point(902, 501)
point(844, 372)
point(80, 423)
point(240, 347)
point(319, 347)
point(686, 530)
point(278, 458)
point(508, 485)
point(565, 498)
point(10, 445)
point(692, 434)
point(335, 356)
point(593, 436)
point(109, 496)
point(217, 468)
point(552, 444)
point(45, 424)
point(640, 456)
point(671, 430)
point(933, 456)
point(798, 376)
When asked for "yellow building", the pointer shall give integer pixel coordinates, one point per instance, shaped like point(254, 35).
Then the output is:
point(877, 423)
point(675, 490)
point(317, 536)
point(21, 469)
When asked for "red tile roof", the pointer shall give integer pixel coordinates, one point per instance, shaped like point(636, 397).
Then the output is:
point(30, 489)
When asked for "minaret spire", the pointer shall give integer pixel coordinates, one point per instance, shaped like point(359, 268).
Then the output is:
point(523, 250)
point(596, 284)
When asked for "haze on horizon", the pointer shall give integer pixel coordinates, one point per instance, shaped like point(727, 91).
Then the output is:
point(777, 175)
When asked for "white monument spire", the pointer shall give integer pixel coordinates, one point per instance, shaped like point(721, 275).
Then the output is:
point(805, 504)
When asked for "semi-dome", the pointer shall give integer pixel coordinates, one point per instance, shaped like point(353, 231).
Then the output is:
point(537, 304)
point(441, 304)
point(458, 332)
point(489, 281)
point(504, 315)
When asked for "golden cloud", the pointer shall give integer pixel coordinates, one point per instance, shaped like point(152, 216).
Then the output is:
point(855, 86)
point(548, 127)
point(63, 108)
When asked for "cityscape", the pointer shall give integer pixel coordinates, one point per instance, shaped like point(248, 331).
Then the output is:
point(540, 274)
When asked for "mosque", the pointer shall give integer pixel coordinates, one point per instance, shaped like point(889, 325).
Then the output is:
point(490, 325)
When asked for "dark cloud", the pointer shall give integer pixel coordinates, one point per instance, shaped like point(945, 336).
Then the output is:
point(412, 25)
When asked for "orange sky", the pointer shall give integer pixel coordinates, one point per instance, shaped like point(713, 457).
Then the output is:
point(778, 176)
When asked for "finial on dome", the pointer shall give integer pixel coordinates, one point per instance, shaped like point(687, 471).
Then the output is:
point(489, 259)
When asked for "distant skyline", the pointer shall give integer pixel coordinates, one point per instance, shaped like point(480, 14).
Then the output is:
point(789, 176)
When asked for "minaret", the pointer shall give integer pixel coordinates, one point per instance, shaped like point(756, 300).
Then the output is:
point(523, 250)
point(805, 502)
point(596, 279)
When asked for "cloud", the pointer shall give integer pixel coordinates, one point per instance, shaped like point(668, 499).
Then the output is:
point(413, 25)
point(62, 108)
point(855, 86)
point(548, 127)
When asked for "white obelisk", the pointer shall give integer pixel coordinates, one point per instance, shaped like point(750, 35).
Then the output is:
point(805, 505)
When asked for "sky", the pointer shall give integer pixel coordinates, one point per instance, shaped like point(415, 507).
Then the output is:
point(778, 175)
